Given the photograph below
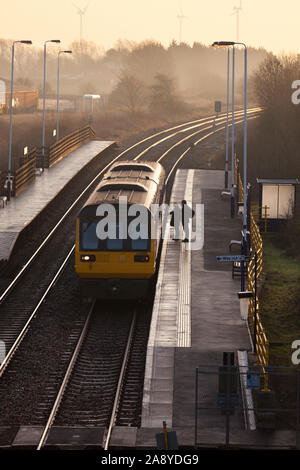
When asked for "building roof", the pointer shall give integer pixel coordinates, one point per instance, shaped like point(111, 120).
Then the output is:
point(277, 181)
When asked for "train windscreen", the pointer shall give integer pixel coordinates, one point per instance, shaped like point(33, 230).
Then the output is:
point(90, 241)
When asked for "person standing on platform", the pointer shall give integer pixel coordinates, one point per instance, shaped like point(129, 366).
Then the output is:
point(182, 215)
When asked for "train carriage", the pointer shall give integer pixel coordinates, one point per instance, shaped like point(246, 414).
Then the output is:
point(110, 262)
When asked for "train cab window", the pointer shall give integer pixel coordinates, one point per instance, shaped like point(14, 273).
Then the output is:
point(89, 239)
point(140, 243)
point(115, 243)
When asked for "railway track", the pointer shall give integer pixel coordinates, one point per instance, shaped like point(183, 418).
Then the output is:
point(15, 317)
point(18, 313)
point(91, 390)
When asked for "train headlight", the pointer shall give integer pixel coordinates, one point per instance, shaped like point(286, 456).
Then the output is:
point(87, 258)
point(142, 258)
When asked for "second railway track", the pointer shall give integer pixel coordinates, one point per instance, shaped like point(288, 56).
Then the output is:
point(69, 323)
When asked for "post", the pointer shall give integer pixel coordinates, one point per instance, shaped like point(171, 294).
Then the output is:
point(232, 142)
point(255, 302)
point(165, 435)
point(57, 41)
point(245, 154)
point(244, 243)
point(297, 409)
point(57, 102)
point(237, 189)
point(249, 215)
point(228, 383)
point(10, 115)
point(214, 131)
point(266, 222)
point(227, 120)
point(196, 408)
point(44, 111)
point(10, 123)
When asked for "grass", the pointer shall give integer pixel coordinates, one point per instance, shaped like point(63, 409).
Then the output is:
point(280, 300)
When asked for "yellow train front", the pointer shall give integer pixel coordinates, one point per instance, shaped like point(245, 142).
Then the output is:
point(113, 265)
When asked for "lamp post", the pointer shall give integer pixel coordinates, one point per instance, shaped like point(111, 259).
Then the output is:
point(57, 41)
point(10, 114)
point(233, 134)
point(244, 244)
point(228, 44)
point(227, 119)
point(57, 104)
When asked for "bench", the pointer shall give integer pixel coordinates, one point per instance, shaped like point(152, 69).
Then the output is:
point(225, 194)
point(235, 242)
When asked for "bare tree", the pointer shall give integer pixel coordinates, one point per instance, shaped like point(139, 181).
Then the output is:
point(163, 97)
point(129, 93)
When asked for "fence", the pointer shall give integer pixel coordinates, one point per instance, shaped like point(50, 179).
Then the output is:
point(64, 146)
point(25, 173)
point(27, 170)
point(254, 274)
point(223, 414)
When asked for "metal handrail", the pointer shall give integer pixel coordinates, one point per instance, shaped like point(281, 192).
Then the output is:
point(261, 341)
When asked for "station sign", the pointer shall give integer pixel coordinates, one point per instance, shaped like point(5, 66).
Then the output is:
point(231, 258)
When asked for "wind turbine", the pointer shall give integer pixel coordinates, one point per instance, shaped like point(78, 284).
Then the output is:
point(181, 17)
point(236, 12)
point(81, 12)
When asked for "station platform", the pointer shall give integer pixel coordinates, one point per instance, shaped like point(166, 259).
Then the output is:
point(21, 210)
point(196, 317)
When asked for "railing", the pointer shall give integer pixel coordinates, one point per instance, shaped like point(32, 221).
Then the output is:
point(27, 170)
point(255, 269)
point(261, 342)
point(25, 173)
point(69, 143)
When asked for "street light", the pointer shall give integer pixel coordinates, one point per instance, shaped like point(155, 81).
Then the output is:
point(245, 166)
point(244, 244)
point(228, 44)
point(10, 114)
point(57, 41)
point(57, 105)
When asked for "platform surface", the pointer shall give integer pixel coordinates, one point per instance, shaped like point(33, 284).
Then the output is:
point(209, 308)
point(22, 209)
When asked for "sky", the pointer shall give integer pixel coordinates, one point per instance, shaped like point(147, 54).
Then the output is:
point(272, 24)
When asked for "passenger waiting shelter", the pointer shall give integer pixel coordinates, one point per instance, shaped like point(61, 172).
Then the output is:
point(277, 199)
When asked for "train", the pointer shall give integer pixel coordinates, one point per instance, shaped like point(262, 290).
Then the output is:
point(23, 101)
point(110, 262)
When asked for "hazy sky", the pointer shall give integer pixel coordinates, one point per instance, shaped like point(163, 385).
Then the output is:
point(272, 24)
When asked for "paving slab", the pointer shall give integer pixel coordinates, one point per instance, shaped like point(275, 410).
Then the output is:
point(211, 323)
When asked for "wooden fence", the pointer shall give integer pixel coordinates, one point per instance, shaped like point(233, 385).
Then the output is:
point(27, 170)
point(25, 173)
point(64, 146)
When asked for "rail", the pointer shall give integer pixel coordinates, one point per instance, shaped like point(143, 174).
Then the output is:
point(69, 143)
point(260, 338)
point(254, 274)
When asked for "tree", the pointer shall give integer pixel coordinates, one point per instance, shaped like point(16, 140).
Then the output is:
point(163, 98)
point(148, 59)
point(129, 93)
point(267, 80)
